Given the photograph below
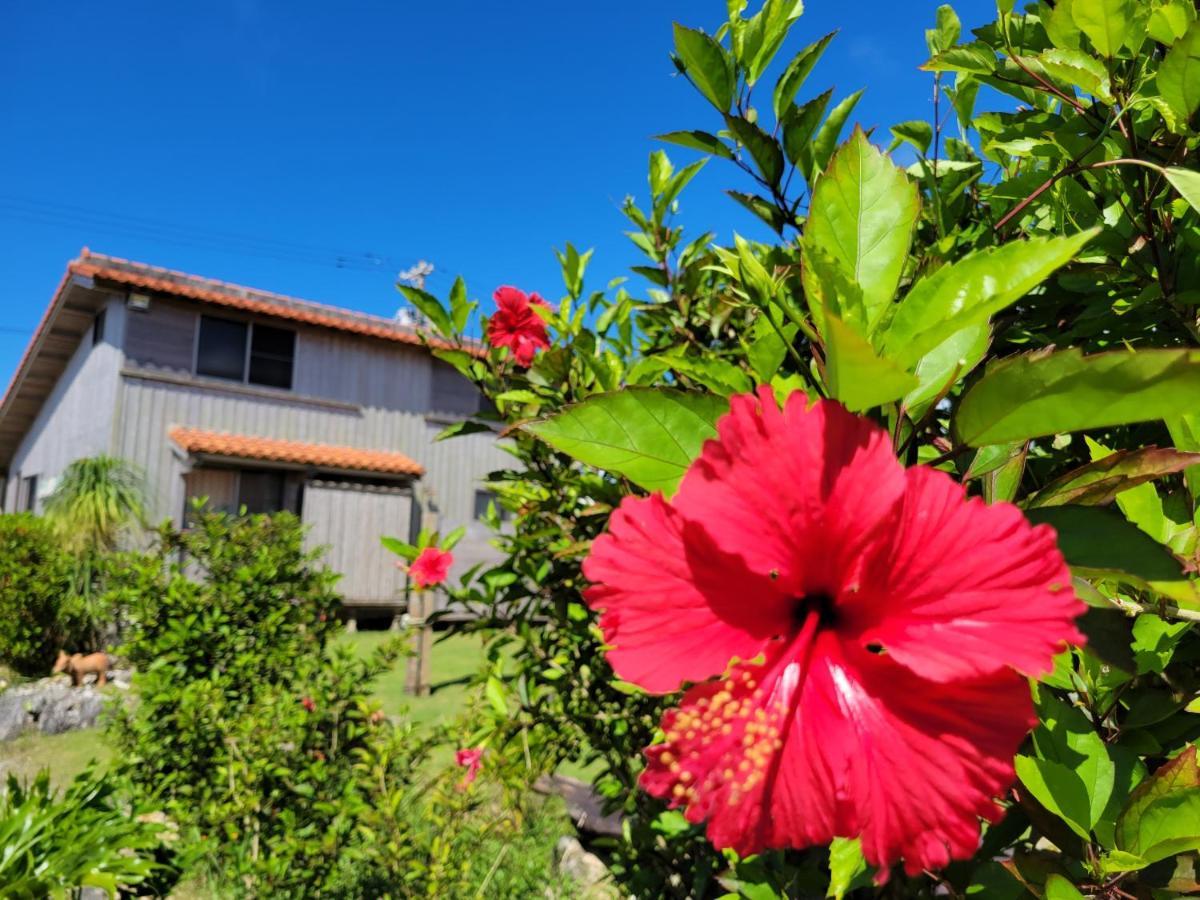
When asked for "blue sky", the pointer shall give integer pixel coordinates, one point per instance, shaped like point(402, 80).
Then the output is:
point(259, 142)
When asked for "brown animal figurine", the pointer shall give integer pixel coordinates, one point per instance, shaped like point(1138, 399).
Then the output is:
point(78, 664)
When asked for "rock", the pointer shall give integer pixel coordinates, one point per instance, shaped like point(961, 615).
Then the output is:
point(583, 804)
point(50, 705)
point(585, 869)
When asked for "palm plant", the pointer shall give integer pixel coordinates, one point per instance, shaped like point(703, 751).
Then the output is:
point(96, 500)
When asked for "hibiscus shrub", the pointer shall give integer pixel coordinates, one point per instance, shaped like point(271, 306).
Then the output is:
point(860, 556)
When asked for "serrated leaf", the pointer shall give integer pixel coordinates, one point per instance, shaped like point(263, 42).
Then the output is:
point(797, 71)
point(1170, 20)
point(977, 59)
point(825, 142)
point(1107, 23)
point(917, 132)
point(1099, 482)
point(649, 436)
point(1179, 75)
point(706, 63)
point(1059, 888)
point(799, 125)
point(947, 364)
point(429, 306)
point(1047, 393)
point(862, 213)
point(972, 290)
point(1187, 183)
point(856, 374)
point(1162, 817)
point(698, 140)
point(762, 208)
point(1074, 67)
point(848, 870)
point(765, 152)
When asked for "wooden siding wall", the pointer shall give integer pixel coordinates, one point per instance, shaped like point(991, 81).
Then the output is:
point(347, 520)
point(218, 485)
point(349, 390)
point(77, 418)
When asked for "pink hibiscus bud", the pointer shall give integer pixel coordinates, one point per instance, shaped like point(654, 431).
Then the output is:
point(890, 623)
point(471, 759)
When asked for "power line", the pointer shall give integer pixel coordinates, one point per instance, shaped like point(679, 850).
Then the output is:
point(37, 212)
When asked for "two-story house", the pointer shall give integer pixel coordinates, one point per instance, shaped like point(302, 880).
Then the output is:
point(250, 399)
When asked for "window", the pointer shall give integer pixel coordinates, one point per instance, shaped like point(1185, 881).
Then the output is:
point(239, 351)
point(260, 492)
point(28, 500)
point(221, 351)
point(272, 351)
point(482, 500)
point(98, 327)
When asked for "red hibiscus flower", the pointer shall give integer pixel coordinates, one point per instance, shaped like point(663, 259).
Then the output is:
point(516, 325)
point(870, 626)
point(430, 567)
point(307, 703)
point(471, 759)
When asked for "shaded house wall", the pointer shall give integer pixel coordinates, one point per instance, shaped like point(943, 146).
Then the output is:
point(78, 416)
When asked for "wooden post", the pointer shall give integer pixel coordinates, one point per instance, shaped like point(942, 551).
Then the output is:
point(420, 605)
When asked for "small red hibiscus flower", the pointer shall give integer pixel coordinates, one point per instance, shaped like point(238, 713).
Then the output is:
point(471, 759)
point(307, 703)
point(431, 567)
point(868, 628)
point(516, 325)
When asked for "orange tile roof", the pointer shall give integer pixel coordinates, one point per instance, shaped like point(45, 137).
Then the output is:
point(239, 446)
point(236, 296)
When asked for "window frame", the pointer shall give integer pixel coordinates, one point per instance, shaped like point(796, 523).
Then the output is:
point(98, 323)
point(247, 353)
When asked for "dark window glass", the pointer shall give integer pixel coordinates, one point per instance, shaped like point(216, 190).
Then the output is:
point(29, 493)
point(260, 492)
point(222, 349)
point(482, 499)
point(98, 327)
point(272, 353)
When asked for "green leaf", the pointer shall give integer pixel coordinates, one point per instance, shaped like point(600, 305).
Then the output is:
point(977, 59)
point(1187, 183)
point(718, 375)
point(1077, 68)
point(862, 213)
point(1154, 642)
point(797, 71)
point(467, 426)
point(706, 64)
point(650, 436)
point(1046, 393)
point(798, 126)
point(1179, 75)
point(429, 306)
point(848, 870)
point(946, 30)
point(1066, 737)
point(947, 364)
point(496, 695)
point(698, 140)
point(764, 34)
point(400, 548)
point(1120, 861)
point(826, 140)
point(827, 285)
point(460, 307)
point(1099, 482)
point(855, 374)
point(972, 290)
point(1057, 788)
point(1097, 541)
point(1170, 20)
point(1106, 22)
point(763, 149)
point(1061, 28)
point(917, 132)
point(1162, 817)
point(1185, 432)
point(763, 208)
point(1059, 888)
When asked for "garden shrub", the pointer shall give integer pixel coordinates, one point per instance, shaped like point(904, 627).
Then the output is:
point(1062, 221)
point(35, 590)
point(86, 836)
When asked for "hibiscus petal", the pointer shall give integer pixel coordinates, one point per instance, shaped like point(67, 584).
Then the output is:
point(961, 588)
point(675, 608)
point(818, 742)
point(800, 490)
